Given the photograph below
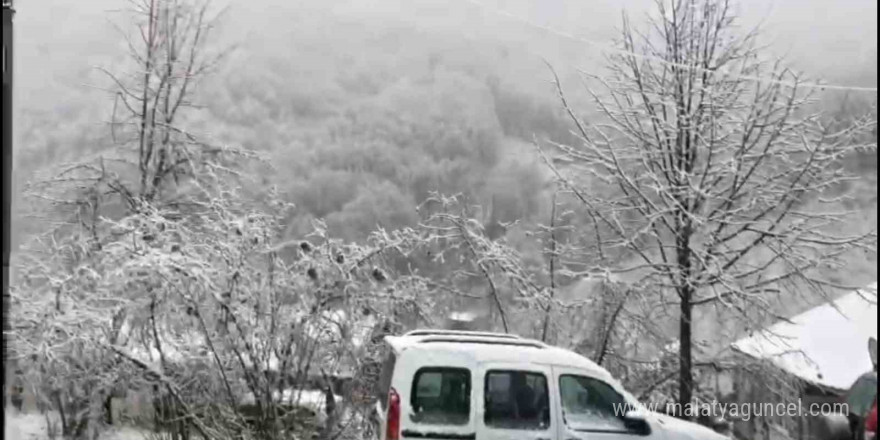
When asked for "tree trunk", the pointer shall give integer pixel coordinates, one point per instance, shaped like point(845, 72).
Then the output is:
point(108, 409)
point(158, 409)
point(686, 374)
point(552, 269)
point(685, 335)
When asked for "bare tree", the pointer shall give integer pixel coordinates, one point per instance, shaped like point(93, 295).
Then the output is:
point(170, 55)
point(552, 258)
point(707, 181)
point(150, 153)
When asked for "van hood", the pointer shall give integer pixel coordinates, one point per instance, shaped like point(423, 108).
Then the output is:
point(677, 429)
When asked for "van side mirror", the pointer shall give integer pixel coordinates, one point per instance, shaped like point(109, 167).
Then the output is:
point(637, 423)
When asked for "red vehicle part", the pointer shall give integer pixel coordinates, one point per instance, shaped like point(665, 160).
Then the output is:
point(871, 423)
point(393, 420)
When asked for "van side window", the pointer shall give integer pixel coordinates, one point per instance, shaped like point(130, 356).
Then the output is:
point(441, 396)
point(516, 400)
point(591, 405)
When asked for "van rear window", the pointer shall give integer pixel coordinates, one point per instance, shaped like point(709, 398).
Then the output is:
point(441, 396)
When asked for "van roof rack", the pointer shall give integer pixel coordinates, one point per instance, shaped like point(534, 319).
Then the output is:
point(519, 342)
point(462, 333)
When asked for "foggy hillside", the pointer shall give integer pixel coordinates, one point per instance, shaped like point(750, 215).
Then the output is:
point(300, 71)
point(832, 40)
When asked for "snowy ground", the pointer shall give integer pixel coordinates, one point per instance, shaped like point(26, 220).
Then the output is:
point(32, 426)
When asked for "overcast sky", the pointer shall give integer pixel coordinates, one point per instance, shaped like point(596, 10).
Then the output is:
point(835, 39)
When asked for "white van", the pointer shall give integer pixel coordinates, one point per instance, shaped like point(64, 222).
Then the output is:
point(458, 385)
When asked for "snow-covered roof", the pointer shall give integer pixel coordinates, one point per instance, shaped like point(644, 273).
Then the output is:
point(313, 399)
point(463, 316)
point(191, 345)
point(827, 345)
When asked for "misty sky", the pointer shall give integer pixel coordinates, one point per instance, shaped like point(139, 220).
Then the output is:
point(57, 39)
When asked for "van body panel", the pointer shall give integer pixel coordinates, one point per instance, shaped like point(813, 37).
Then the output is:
point(488, 349)
point(432, 370)
point(465, 386)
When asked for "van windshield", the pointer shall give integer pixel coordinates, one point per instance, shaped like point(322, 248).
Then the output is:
point(441, 396)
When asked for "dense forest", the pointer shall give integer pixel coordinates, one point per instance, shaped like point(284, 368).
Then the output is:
point(358, 135)
point(408, 144)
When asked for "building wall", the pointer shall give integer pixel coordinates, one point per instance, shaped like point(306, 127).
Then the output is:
point(759, 383)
